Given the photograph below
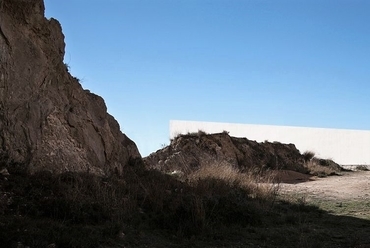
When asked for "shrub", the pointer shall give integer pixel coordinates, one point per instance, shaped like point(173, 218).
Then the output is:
point(362, 168)
point(321, 167)
point(83, 210)
point(308, 155)
point(255, 182)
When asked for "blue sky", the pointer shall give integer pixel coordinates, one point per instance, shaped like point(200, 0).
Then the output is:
point(287, 62)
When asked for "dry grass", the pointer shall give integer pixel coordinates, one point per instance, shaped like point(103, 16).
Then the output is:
point(216, 206)
point(199, 133)
point(320, 168)
point(73, 203)
point(361, 168)
point(257, 183)
point(308, 156)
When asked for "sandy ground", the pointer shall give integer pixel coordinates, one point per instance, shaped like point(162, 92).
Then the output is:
point(349, 186)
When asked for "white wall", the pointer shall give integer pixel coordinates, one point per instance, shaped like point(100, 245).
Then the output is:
point(346, 147)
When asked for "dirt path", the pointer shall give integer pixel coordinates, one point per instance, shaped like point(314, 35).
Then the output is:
point(349, 186)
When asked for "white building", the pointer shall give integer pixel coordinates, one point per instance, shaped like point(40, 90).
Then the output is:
point(346, 147)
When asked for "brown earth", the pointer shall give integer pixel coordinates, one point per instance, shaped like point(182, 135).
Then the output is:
point(47, 120)
point(291, 177)
point(187, 153)
point(348, 186)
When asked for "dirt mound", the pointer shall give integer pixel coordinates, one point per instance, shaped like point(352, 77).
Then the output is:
point(187, 153)
point(47, 120)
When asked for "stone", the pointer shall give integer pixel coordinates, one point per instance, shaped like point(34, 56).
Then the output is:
point(47, 120)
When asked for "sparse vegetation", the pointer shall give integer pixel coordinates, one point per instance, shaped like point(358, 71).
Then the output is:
point(216, 206)
point(199, 133)
point(68, 67)
point(216, 192)
point(362, 168)
point(308, 156)
point(256, 183)
point(322, 167)
point(72, 204)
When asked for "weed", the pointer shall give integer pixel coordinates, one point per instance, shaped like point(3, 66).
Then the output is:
point(321, 167)
point(68, 67)
point(199, 133)
point(308, 156)
point(362, 168)
point(217, 206)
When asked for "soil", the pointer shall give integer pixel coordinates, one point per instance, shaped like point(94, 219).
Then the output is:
point(347, 186)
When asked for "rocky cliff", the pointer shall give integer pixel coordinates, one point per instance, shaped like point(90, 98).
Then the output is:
point(47, 120)
point(187, 153)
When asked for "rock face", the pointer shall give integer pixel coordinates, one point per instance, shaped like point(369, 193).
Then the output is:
point(47, 120)
point(187, 153)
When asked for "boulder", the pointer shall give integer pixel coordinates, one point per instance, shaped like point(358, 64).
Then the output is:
point(47, 120)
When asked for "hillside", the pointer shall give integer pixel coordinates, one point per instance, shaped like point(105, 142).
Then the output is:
point(70, 178)
point(47, 120)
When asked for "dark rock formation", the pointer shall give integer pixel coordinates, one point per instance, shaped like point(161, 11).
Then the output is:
point(47, 120)
point(187, 153)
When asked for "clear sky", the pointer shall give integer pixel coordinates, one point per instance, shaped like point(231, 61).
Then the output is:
point(286, 62)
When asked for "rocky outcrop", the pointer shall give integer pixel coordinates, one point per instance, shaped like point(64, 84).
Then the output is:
point(187, 153)
point(47, 120)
